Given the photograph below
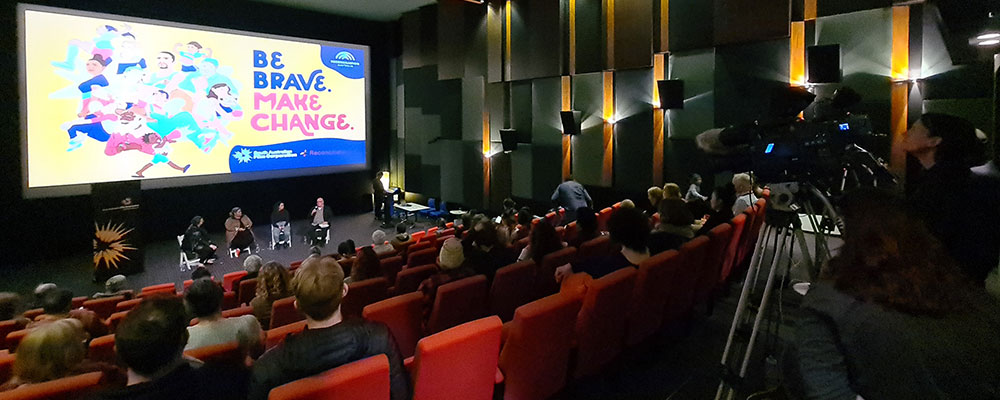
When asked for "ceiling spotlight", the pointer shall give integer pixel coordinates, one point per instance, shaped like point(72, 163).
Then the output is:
point(988, 36)
point(992, 42)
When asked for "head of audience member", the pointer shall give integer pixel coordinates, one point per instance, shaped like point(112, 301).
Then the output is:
point(10, 306)
point(41, 290)
point(543, 241)
point(319, 287)
point(586, 221)
point(50, 352)
point(57, 302)
point(629, 227)
point(891, 259)
point(467, 220)
point(671, 191)
point(378, 237)
point(484, 236)
point(401, 228)
point(116, 284)
point(252, 264)
point(197, 221)
point(367, 265)
point(695, 179)
point(204, 298)
point(509, 204)
point(236, 213)
point(316, 251)
point(273, 281)
point(442, 224)
point(675, 212)
point(347, 248)
point(627, 203)
point(151, 338)
point(509, 218)
point(742, 184)
point(723, 197)
point(941, 138)
point(654, 194)
point(452, 255)
point(201, 272)
point(524, 217)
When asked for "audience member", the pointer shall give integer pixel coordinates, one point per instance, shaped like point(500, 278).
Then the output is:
point(891, 316)
point(960, 208)
point(320, 222)
point(272, 285)
point(482, 250)
point(281, 225)
point(627, 203)
point(204, 300)
point(11, 308)
point(674, 228)
point(694, 189)
point(252, 266)
point(367, 266)
point(524, 217)
point(586, 227)
point(402, 238)
point(196, 241)
point(743, 186)
point(347, 249)
point(721, 202)
point(453, 266)
point(316, 251)
point(544, 241)
point(56, 305)
point(628, 227)
point(40, 292)
point(328, 341)
point(379, 243)
point(238, 230)
point(201, 272)
point(150, 341)
point(509, 205)
point(115, 286)
point(507, 229)
point(56, 350)
point(654, 194)
point(671, 191)
point(571, 195)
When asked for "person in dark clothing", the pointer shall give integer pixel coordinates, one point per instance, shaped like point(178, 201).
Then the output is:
point(196, 241)
point(544, 241)
point(630, 228)
point(721, 201)
point(320, 223)
point(893, 318)
point(327, 341)
point(960, 208)
point(150, 341)
point(482, 249)
point(674, 228)
point(378, 195)
point(571, 195)
point(586, 225)
point(452, 266)
point(281, 225)
point(523, 229)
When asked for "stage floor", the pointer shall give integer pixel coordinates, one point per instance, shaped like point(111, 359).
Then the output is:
point(75, 272)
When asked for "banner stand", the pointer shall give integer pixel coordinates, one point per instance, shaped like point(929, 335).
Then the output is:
point(118, 247)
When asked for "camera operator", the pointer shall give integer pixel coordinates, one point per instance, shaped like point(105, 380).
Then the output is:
point(960, 208)
point(891, 317)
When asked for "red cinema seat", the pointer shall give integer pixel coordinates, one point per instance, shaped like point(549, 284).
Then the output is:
point(742, 252)
point(513, 286)
point(71, 387)
point(366, 379)
point(545, 281)
point(6, 327)
point(448, 232)
point(390, 267)
point(163, 287)
point(116, 319)
point(295, 265)
point(431, 232)
point(227, 353)
point(600, 325)
point(186, 284)
point(597, 247)
point(416, 236)
point(654, 220)
point(649, 298)
point(708, 274)
point(102, 349)
point(127, 305)
point(32, 313)
point(361, 294)
point(458, 302)
point(552, 218)
point(409, 278)
point(283, 312)
point(571, 231)
point(78, 301)
point(228, 279)
point(458, 363)
point(237, 312)
point(421, 257)
point(387, 254)
point(616, 205)
point(248, 289)
point(6, 365)
point(732, 250)
point(561, 232)
point(602, 218)
point(14, 339)
point(683, 285)
point(520, 244)
point(277, 335)
point(535, 355)
point(403, 315)
point(754, 230)
point(103, 307)
point(440, 241)
point(229, 301)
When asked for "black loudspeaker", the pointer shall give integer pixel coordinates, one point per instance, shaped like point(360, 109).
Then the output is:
point(671, 94)
point(823, 63)
point(508, 140)
point(571, 121)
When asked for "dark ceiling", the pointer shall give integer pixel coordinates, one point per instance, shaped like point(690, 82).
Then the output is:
point(961, 20)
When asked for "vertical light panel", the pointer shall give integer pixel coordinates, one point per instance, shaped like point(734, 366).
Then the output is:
point(572, 37)
point(506, 41)
point(664, 25)
point(658, 74)
point(607, 164)
point(797, 57)
point(809, 10)
point(567, 140)
point(486, 156)
point(900, 97)
point(610, 35)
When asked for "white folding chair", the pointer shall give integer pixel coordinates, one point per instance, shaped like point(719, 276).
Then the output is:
point(276, 229)
point(186, 263)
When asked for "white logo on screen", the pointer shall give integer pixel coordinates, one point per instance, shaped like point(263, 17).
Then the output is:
point(344, 56)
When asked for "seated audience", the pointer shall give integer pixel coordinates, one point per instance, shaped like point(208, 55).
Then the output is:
point(402, 238)
point(347, 249)
point(509, 205)
point(674, 228)
point(239, 234)
point(11, 308)
point(56, 350)
point(671, 191)
point(654, 194)
point(452, 267)
point(272, 285)
point(627, 203)
point(507, 229)
point(150, 341)
point(201, 272)
point(524, 217)
point(626, 226)
point(893, 317)
point(482, 250)
point(694, 189)
point(115, 286)
point(745, 197)
point(328, 341)
point(366, 266)
point(586, 227)
point(204, 300)
point(544, 241)
point(379, 243)
point(56, 304)
point(721, 203)
point(196, 241)
point(252, 266)
point(40, 292)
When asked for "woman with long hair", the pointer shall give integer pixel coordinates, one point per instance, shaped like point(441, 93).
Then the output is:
point(52, 351)
point(281, 225)
point(544, 240)
point(196, 241)
point(892, 316)
point(367, 266)
point(272, 285)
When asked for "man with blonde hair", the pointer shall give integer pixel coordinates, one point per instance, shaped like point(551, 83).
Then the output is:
point(745, 198)
point(328, 341)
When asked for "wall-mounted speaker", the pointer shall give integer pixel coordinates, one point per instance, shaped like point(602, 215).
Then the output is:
point(508, 139)
point(823, 63)
point(671, 94)
point(571, 121)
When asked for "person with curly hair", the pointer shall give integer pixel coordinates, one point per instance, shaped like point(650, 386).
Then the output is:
point(272, 285)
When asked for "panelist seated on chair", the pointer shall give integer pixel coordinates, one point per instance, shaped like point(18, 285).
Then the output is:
point(196, 241)
point(238, 232)
point(321, 215)
point(281, 226)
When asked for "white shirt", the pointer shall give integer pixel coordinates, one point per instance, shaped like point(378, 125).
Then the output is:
point(743, 202)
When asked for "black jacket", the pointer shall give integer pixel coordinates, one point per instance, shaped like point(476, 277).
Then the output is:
point(215, 382)
point(317, 350)
point(194, 237)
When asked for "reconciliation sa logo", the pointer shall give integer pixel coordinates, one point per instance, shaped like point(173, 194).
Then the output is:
point(347, 62)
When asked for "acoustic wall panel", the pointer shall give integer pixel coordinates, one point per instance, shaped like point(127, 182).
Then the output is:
point(590, 27)
point(697, 70)
point(634, 129)
point(546, 164)
point(461, 41)
point(473, 101)
point(833, 7)
point(633, 37)
point(691, 24)
point(588, 147)
point(546, 101)
point(522, 171)
point(743, 21)
point(746, 77)
point(520, 110)
point(536, 39)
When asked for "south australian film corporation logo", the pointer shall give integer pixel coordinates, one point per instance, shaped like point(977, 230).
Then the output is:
point(345, 59)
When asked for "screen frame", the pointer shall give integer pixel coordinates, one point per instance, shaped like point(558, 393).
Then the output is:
point(160, 183)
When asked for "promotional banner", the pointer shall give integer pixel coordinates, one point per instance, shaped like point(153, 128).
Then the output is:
point(111, 99)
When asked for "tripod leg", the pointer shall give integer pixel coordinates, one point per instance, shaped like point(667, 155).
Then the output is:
point(779, 250)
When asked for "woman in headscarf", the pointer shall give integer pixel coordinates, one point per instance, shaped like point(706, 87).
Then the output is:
point(196, 241)
point(281, 225)
point(238, 233)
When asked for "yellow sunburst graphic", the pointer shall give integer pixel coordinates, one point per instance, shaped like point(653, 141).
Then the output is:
point(110, 244)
